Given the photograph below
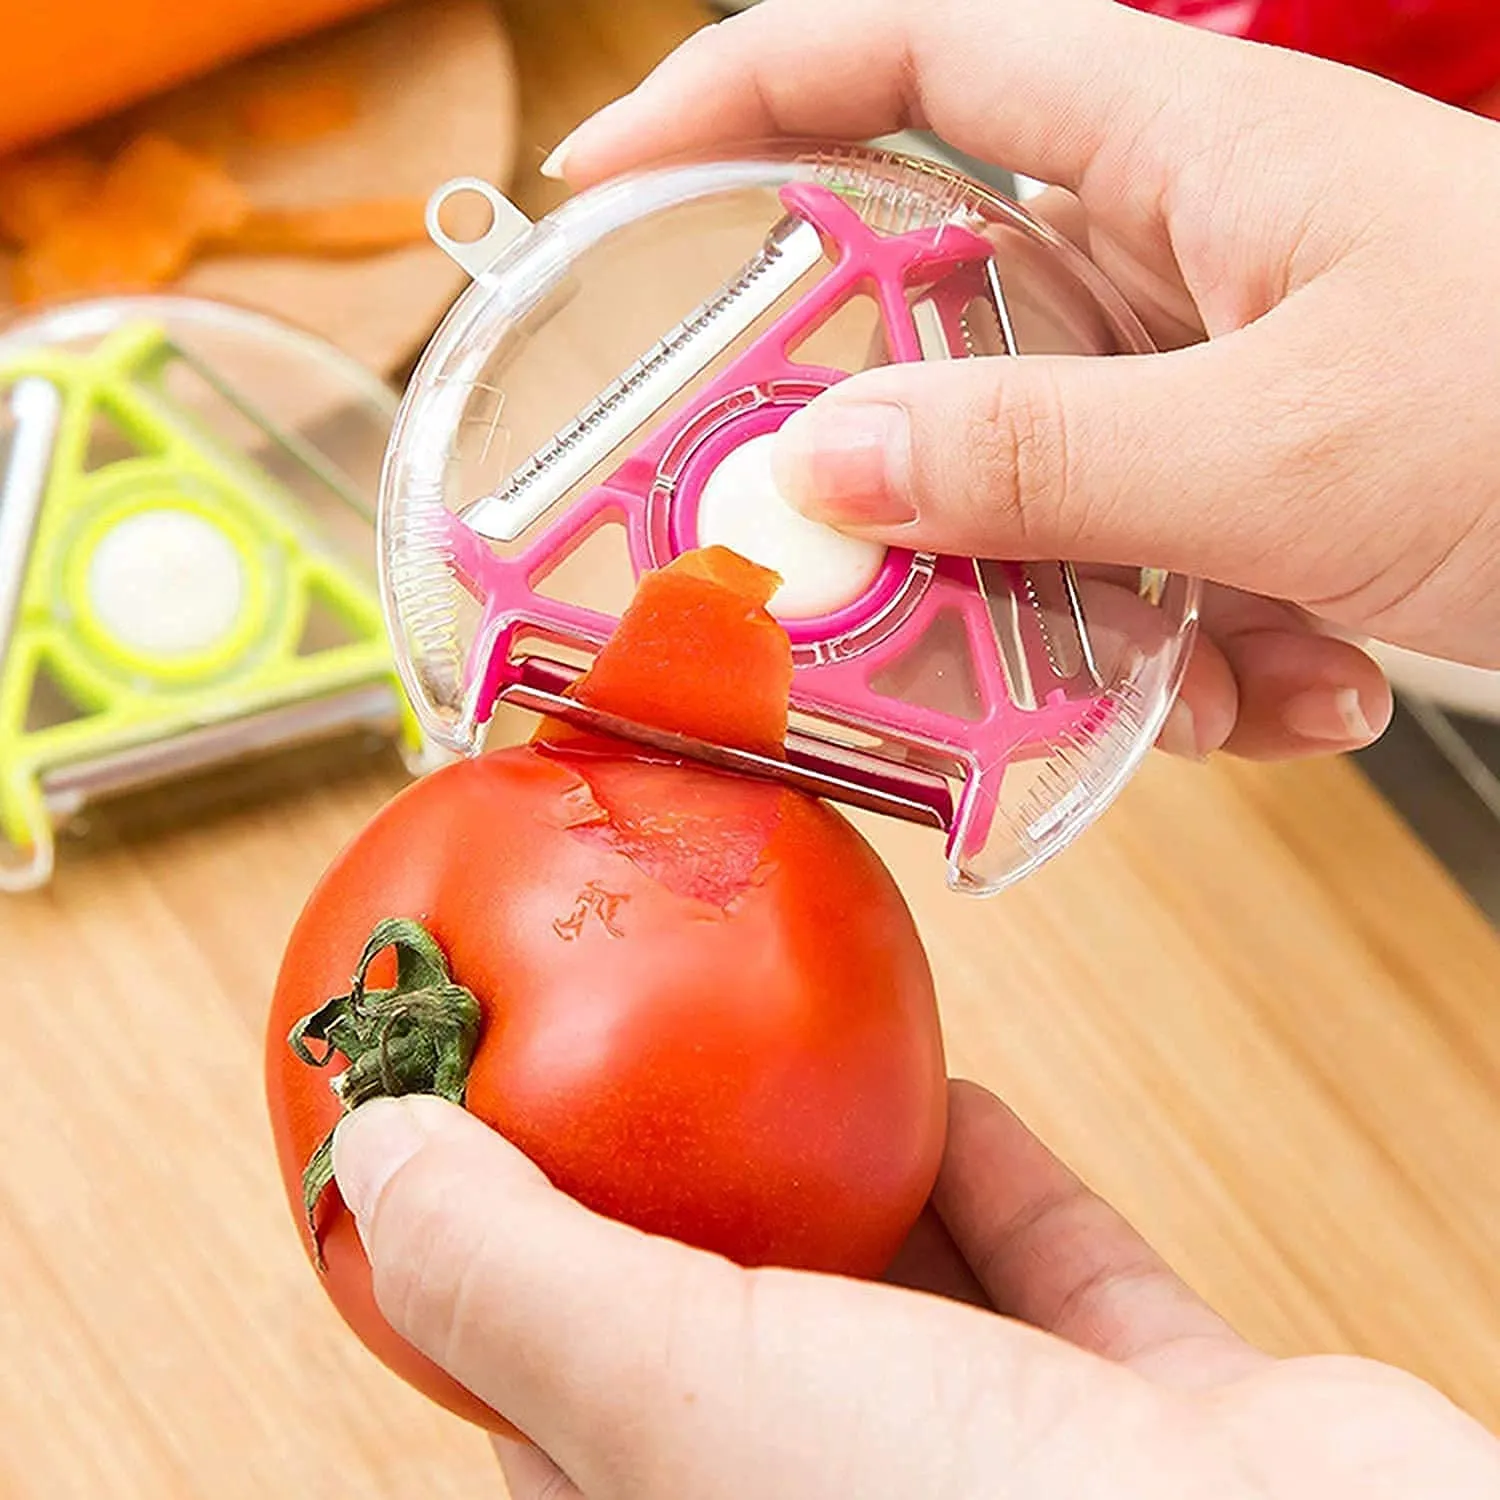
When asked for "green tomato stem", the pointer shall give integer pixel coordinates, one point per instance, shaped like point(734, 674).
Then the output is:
point(418, 1037)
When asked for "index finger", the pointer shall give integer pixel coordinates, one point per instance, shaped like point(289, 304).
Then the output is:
point(1039, 86)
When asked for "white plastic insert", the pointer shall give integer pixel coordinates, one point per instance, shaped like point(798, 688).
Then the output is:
point(741, 508)
point(166, 582)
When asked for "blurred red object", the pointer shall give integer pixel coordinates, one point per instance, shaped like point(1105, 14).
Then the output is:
point(1447, 48)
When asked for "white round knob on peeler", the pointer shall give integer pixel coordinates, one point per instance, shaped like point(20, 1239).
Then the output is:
point(821, 569)
point(166, 582)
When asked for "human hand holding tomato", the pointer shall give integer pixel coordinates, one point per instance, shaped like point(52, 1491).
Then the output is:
point(1060, 1358)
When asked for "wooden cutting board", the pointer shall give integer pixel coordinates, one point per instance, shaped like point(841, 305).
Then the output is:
point(438, 98)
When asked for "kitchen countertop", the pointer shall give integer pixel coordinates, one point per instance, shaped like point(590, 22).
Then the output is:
point(1249, 1007)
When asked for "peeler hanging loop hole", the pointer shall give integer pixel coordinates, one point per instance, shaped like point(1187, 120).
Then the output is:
point(506, 224)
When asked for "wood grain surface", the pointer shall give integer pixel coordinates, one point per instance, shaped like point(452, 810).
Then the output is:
point(1248, 1007)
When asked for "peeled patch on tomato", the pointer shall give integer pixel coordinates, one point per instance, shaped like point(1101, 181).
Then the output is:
point(708, 846)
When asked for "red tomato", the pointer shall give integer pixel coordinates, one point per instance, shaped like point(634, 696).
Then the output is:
point(1447, 48)
point(706, 1011)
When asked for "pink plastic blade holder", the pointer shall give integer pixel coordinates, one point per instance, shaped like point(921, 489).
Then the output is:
point(654, 494)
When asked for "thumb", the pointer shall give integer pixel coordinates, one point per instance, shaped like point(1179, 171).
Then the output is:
point(1165, 460)
point(641, 1366)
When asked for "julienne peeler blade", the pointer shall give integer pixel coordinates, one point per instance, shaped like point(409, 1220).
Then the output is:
point(812, 767)
point(1039, 629)
point(792, 249)
point(1043, 619)
point(1001, 306)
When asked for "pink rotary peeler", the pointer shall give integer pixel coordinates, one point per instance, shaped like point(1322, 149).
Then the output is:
point(1003, 703)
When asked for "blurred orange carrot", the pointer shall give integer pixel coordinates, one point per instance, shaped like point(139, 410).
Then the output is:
point(40, 190)
point(62, 64)
point(154, 176)
point(290, 111)
point(333, 230)
point(154, 205)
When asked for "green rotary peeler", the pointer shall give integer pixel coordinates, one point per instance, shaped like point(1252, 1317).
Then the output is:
point(186, 575)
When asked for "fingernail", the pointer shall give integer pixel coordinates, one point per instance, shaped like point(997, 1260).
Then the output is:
point(1179, 735)
point(601, 123)
point(556, 164)
point(1332, 716)
point(371, 1145)
point(848, 465)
